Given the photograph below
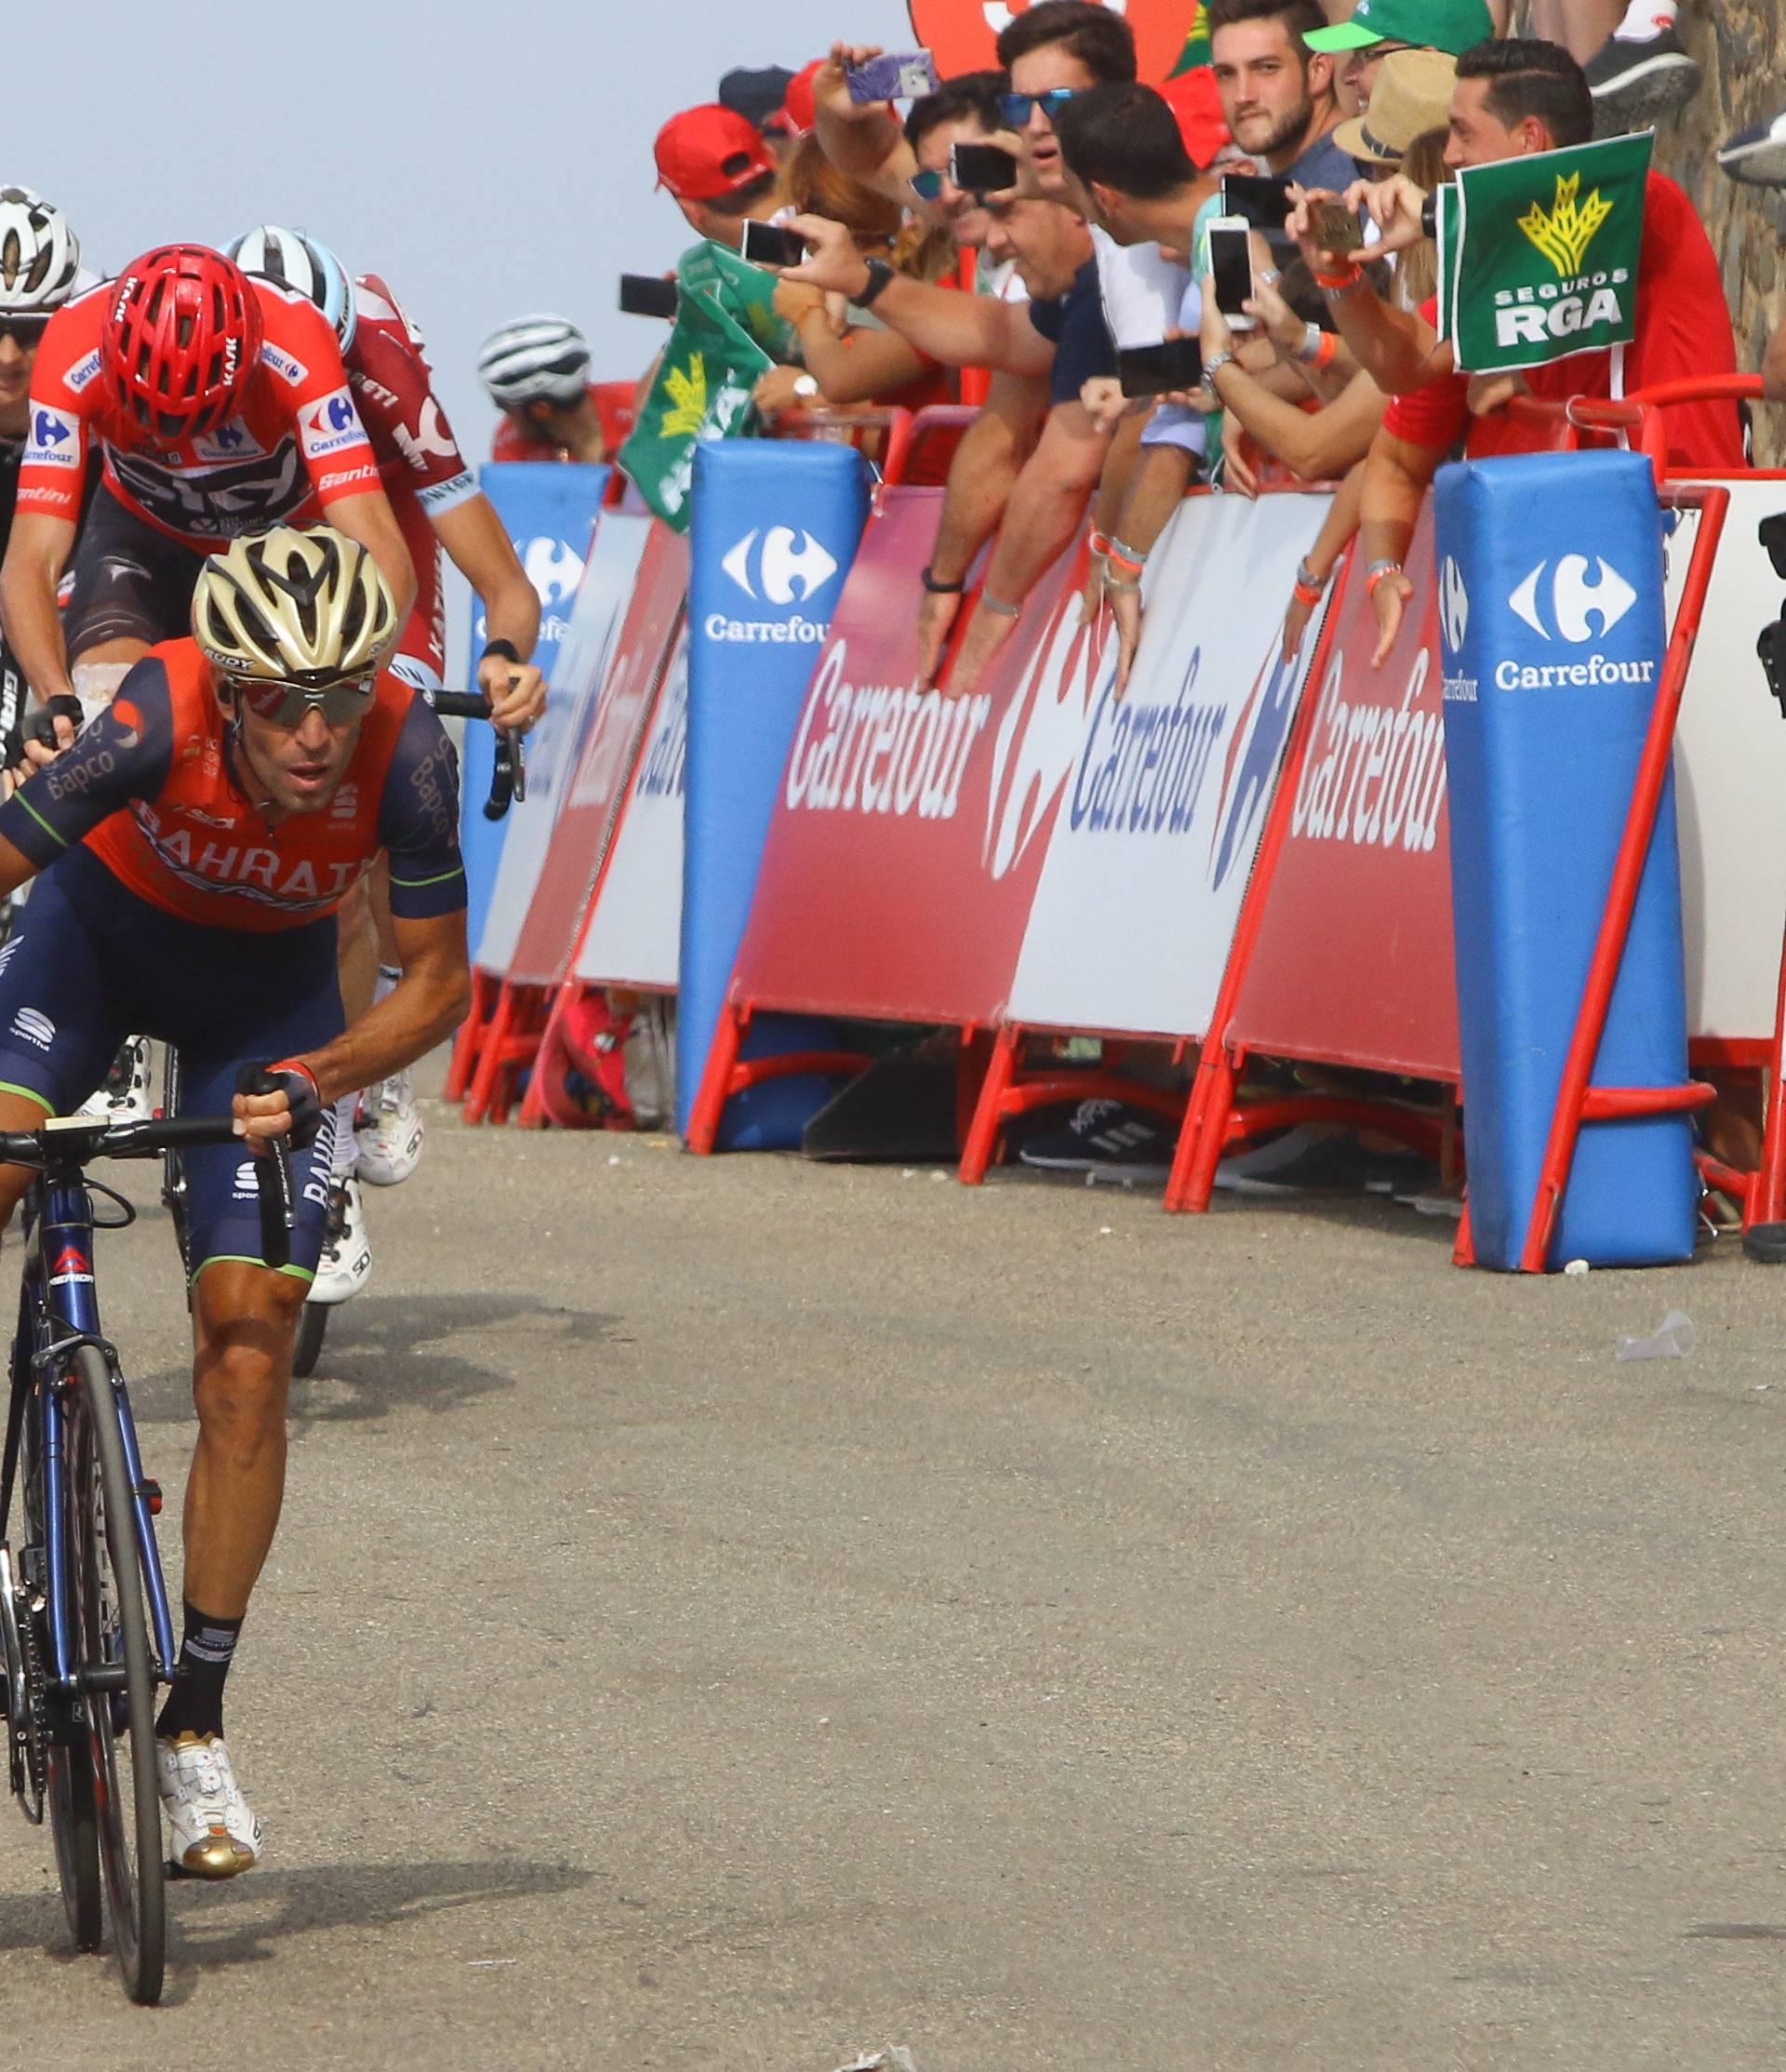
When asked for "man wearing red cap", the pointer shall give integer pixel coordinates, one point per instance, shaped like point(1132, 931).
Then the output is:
point(717, 169)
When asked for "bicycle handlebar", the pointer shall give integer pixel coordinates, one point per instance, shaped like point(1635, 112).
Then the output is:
point(509, 779)
point(73, 1141)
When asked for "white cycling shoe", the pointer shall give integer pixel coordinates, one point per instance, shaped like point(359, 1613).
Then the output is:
point(346, 1262)
point(125, 1095)
point(212, 1831)
point(389, 1140)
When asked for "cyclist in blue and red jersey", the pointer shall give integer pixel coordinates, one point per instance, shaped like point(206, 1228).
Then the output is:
point(194, 843)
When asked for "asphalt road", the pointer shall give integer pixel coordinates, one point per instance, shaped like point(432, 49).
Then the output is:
point(730, 1614)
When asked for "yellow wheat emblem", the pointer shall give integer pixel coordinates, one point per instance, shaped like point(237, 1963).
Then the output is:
point(1566, 233)
point(687, 392)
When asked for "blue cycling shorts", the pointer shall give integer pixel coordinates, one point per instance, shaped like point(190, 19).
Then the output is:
point(89, 964)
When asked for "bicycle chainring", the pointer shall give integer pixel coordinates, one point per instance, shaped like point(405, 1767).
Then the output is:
point(27, 1703)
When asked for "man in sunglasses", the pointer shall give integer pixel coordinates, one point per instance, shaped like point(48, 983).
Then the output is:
point(193, 844)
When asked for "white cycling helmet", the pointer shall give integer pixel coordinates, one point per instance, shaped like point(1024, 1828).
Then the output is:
point(534, 356)
point(290, 259)
point(39, 255)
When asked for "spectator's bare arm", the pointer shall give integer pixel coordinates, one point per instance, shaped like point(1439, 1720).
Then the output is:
point(860, 367)
point(1341, 521)
point(948, 325)
point(984, 472)
point(1773, 367)
point(860, 138)
point(1396, 477)
point(1397, 348)
point(1156, 489)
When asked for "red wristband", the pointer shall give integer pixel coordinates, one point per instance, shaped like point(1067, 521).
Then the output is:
point(1306, 594)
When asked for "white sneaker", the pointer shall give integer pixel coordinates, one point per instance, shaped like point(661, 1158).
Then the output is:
point(125, 1096)
point(346, 1263)
point(211, 1828)
point(390, 1138)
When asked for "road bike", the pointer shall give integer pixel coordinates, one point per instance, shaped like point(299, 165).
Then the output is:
point(85, 1633)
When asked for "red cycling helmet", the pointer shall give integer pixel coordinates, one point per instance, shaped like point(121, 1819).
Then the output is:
point(180, 341)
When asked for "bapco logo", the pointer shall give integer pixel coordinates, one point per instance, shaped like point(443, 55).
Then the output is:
point(1454, 604)
point(781, 566)
point(1575, 602)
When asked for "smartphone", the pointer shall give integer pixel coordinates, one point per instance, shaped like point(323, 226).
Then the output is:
point(1159, 369)
point(889, 78)
point(1257, 198)
point(1335, 228)
point(770, 244)
point(983, 168)
point(1230, 268)
point(648, 295)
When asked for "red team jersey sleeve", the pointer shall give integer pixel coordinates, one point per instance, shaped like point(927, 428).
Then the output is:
point(64, 393)
point(395, 388)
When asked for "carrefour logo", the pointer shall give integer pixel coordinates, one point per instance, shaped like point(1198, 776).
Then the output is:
point(54, 439)
point(783, 571)
point(1575, 603)
point(1454, 604)
point(330, 424)
point(553, 568)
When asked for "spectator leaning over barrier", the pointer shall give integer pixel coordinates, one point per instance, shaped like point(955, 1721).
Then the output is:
point(864, 363)
point(1512, 98)
point(1380, 29)
point(717, 171)
point(1276, 93)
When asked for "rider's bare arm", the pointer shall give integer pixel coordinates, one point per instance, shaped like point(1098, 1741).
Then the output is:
point(481, 550)
point(369, 519)
point(424, 1008)
point(37, 554)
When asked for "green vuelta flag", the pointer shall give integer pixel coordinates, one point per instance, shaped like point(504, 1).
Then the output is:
point(702, 391)
point(746, 293)
point(1538, 255)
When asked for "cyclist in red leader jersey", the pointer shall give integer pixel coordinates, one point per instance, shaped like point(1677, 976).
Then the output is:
point(219, 405)
point(194, 843)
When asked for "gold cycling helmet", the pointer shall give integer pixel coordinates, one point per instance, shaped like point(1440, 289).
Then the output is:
point(309, 609)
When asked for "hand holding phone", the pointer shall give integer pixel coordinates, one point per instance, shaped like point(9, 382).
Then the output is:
point(770, 244)
point(1334, 227)
point(1231, 269)
point(893, 78)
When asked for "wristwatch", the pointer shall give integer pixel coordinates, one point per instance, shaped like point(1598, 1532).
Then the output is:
point(806, 387)
point(879, 274)
point(1214, 365)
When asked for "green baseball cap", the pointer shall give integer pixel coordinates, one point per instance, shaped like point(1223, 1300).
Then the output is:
point(1453, 25)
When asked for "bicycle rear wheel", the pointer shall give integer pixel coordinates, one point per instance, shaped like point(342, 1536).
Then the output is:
point(114, 1635)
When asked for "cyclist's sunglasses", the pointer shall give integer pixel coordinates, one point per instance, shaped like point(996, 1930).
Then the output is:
point(1016, 107)
point(288, 704)
point(927, 187)
point(24, 331)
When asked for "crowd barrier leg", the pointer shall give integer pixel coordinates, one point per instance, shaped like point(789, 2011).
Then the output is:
point(1767, 1202)
point(983, 1132)
point(511, 1042)
point(726, 1073)
point(1006, 1091)
point(467, 1039)
point(1578, 1101)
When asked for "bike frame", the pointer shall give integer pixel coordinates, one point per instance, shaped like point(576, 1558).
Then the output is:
point(58, 1303)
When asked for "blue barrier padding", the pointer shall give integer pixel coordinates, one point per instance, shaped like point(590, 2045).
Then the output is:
point(549, 508)
point(775, 529)
point(1551, 617)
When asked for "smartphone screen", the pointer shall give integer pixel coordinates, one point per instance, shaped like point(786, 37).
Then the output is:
point(1257, 198)
point(1334, 227)
point(983, 168)
point(893, 78)
point(1159, 369)
point(1231, 269)
point(770, 244)
point(648, 295)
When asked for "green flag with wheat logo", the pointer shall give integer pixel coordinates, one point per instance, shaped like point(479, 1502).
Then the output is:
point(1541, 254)
point(702, 391)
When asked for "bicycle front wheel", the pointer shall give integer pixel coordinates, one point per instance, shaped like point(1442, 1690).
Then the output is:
point(120, 1701)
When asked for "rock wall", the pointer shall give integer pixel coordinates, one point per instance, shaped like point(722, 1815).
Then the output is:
point(1741, 46)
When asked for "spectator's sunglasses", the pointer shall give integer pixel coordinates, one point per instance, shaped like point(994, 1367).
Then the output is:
point(1016, 107)
point(1386, 48)
point(24, 331)
point(927, 187)
point(289, 705)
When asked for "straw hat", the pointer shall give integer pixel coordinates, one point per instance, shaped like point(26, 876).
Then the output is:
point(1411, 93)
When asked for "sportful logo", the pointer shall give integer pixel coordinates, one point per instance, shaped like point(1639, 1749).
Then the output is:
point(35, 1027)
point(781, 567)
point(1575, 602)
point(1564, 232)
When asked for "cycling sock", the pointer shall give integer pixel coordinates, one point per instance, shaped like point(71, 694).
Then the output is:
point(195, 1697)
point(386, 983)
point(346, 1150)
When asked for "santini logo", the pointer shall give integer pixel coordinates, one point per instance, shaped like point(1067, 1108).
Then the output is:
point(1454, 604)
point(1576, 603)
point(780, 566)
